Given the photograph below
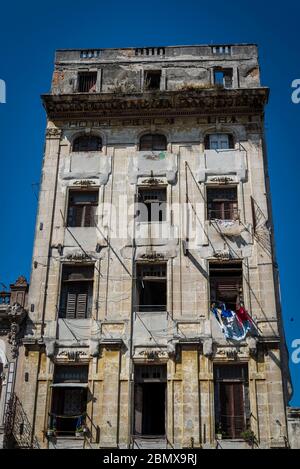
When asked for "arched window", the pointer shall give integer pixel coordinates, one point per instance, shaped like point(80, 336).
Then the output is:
point(87, 143)
point(155, 142)
point(219, 142)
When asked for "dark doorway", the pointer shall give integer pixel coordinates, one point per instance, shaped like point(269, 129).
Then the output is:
point(150, 401)
point(68, 409)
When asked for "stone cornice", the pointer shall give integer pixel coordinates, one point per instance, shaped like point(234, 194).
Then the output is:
point(165, 103)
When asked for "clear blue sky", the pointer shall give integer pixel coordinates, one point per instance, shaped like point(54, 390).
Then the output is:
point(31, 31)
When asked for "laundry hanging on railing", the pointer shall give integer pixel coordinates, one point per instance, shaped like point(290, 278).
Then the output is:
point(234, 325)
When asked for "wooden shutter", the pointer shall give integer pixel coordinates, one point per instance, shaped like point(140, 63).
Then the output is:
point(138, 409)
point(78, 209)
point(81, 305)
point(71, 306)
point(239, 409)
point(227, 286)
point(88, 215)
point(232, 409)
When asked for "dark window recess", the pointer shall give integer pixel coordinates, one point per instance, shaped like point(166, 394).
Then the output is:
point(232, 404)
point(223, 77)
point(150, 400)
point(154, 142)
point(151, 205)
point(87, 82)
point(76, 292)
point(226, 283)
point(152, 79)
point(68, 409)
point(82, 208)
point(222, 203)
point(219, 142)
point(151, 287)
point(87, 143)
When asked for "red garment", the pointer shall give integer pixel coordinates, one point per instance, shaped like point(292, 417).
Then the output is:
point(242, 314)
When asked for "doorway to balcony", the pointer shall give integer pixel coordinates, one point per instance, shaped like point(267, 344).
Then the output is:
point(150, 400)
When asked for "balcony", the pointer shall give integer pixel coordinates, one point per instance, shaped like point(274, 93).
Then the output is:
point(153, 164)
point(87, 165)
point(156, 234)
point(230, 163)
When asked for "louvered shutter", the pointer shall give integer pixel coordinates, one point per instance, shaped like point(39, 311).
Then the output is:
point(81, 305)
point(239, 422)
point(71, 306)
point(78, 215)
point(227, 287)
point(87, 215)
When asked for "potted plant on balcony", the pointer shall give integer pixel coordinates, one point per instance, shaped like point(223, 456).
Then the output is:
point(79, 432)
point(51, 432)
point(219, 433)
point(249, 436)
point(80, 428)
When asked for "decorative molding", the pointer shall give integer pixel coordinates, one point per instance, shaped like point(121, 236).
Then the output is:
point(152, 354)
point(72, 354)
point(84, 183)
point(152, 181)
point(224, 255)
point(21, 281)
point(169, 102)
point(221, 179)
point(53, 132)
point(77, 257)
point(16, 314)
point(153, 256)
point(146, 121)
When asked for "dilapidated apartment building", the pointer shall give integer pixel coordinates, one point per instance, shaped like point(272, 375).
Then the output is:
point(154, 310)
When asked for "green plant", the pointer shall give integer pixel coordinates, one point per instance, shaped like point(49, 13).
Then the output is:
point(249, 436)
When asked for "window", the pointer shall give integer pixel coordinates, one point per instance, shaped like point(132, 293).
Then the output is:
point(152, 79)
point(76, 292)
point(82, 208)
point(226, 283)
point(151, 204)
point(219, 142)
point(154, 142)
point(232, 404)
point(220, 50)
point(223, 77)
point(222, 203)
point(87, 82)
point(87, 143)
point(69, 399)
point(151, 287)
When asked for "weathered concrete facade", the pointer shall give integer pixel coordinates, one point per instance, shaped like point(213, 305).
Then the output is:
point(129, 359)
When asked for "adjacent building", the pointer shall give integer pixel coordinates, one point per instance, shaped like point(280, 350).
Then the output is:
point(154, 314)
point(13, 313)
